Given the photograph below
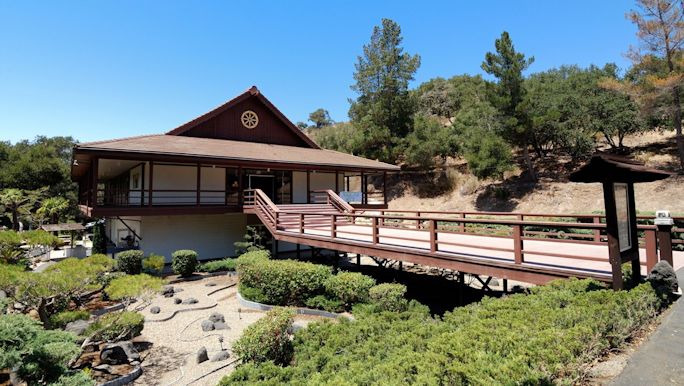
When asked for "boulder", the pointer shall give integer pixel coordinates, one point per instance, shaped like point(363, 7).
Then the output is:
point(190, 301)
point(177, 300)
point(216, 317)
point(221, 326)
point(207, 325)
point(202, 355)
point(77, 327)
point(220, 356)
point(34, 314)
point(155, 310)
point(663, 278)
point(168, 291)
point(119, 353)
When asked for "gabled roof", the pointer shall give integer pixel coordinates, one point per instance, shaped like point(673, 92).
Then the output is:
point(251, 92)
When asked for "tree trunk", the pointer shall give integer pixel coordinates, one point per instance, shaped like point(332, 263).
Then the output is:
point(528, 162)
point(15, 220)
point(678, 126)
point(43, 314)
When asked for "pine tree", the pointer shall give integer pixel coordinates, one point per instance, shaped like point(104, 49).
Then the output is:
point(99, 239)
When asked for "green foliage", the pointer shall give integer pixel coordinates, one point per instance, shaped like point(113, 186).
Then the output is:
point(61, 319)
point(130, 261)
point(320, 118)
point(227, 264)
point(253, 240)
point(78, 378)
point(184, 262)
point(342, 136)
point(10, 253)
point(99, 238)
point(487, 154)
point(116, 326)
point(323, 302)
point(40, 356)
point(383, 110)
point(267, 339)
point(53, 209)
point(154, 264)
point(547, 337)
point(428, 141)
point(389, 297)
point(349, 287)
point(282, 282)
point(134, 286)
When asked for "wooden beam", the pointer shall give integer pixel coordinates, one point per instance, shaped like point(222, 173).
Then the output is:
point(142, 184)
point(308, 186)
point(612, 234)
point(149, 196)
point(384, 188)
point(93, 175)
point(199, 182)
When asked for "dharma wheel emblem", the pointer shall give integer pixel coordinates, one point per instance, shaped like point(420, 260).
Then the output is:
point(249, 119)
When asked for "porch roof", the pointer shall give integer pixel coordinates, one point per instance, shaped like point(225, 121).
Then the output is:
point(195, 149)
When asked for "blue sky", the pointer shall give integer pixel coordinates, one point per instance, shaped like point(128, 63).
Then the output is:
point(106, 69)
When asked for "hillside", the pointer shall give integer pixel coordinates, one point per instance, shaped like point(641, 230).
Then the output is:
point(454, 189)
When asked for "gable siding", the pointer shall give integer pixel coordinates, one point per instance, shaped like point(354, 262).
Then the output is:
point(227, 125)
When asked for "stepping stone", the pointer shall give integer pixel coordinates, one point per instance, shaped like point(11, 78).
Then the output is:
point(155, 310)
point(220, 356)
point(202, 355)
point(190, 301)
point(77, 327)
point(168, 291)
point(221, 326)
point(216, 317)
point(207, 325)
point(177, 300)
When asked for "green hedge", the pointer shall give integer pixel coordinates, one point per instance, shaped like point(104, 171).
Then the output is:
point(281, 282)
point(547, 337)
point(389, 297)
point(61, 319)
point(267, 339)
point(154, 264)
point(218, 265)
point(115, 326)
point(349, 287)
point(184, 262)
point(130, 261)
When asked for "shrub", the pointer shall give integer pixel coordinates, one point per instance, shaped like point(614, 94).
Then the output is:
point(349, 287)
point(61, 319)
point(282, 282)
point(253, 294)
point(218, 265)
point(134, 286)
point(78, 378)
point(389, 297)
point(40, 355)
point(324, 303)
point(547, 337)
point(117, 326)
point(184, 262)
point(267, 339)
point(130, 261)
point(154, 264)
point(251, 257)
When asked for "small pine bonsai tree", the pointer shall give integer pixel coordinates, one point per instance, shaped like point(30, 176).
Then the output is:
point(253, 240)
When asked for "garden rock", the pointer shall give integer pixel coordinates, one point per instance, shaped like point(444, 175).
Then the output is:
point(155, 310)
point(34, 314)
point(210, 285)
point(221, 326)
point(663, 278)
point(168, 291)
point(77, 327)
point(202, 355)
point(105, 368)
point(190, 301)
point(207, 325)
point(177, 300)
point(119, 353)
point(217, 317)
point(220, 356)
point(3, 294)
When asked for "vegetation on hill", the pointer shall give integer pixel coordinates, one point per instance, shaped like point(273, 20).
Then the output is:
point(566, 111)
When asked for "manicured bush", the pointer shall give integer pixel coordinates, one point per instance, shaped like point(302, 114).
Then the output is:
point(40, 355)
point(61, 319)
point(267, 339)
point(248, 258)
point(389, 297)
point(130, 261)
point(253, 294)
point(129, 287)
point(322, 302)
point(282, 282)
point(349, 287)
point(154, 264)
point(117, 326)
point(218, 265)
point(547, 337)
point(184, 262)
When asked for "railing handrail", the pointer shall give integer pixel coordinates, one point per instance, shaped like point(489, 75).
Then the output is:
point(524, 214)
point(339, 202)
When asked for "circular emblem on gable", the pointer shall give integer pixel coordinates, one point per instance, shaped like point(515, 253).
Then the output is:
point(249, 119)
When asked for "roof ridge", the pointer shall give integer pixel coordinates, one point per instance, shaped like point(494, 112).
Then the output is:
point(117, 139)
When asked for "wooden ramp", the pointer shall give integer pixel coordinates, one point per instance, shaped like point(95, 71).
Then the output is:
point(509, 248)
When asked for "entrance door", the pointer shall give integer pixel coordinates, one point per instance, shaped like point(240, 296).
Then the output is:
point(263, 182)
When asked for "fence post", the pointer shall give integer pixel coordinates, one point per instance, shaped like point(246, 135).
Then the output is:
point(597, 232)
point(301, 223)
point(518, 242)
point(418, 220)
point(382, 220)
point(374, 224)
point(333, 226)
point(433, 235)
point(665, 242)
point(651, 249)
point(461, 226)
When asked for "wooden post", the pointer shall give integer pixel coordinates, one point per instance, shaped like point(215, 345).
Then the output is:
point(517, 243)
point(333, 226)
point(614, 255)
point(199, 179)
point(151, 184)
point(374, 222)
point(240, 190)
point(461, 226)
point(597, 232)
point(308, 186)
point(337, 182)
point(94, 176)
point(299, 251)
point(301, 223)
point(651, 249)
point(142, 184)
point(665, 243)
point(225, 186)
point(433, 235)
point(384, 188)
point(418, 221)
point(358, 259)
point(364, 198)
point(505, 285)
